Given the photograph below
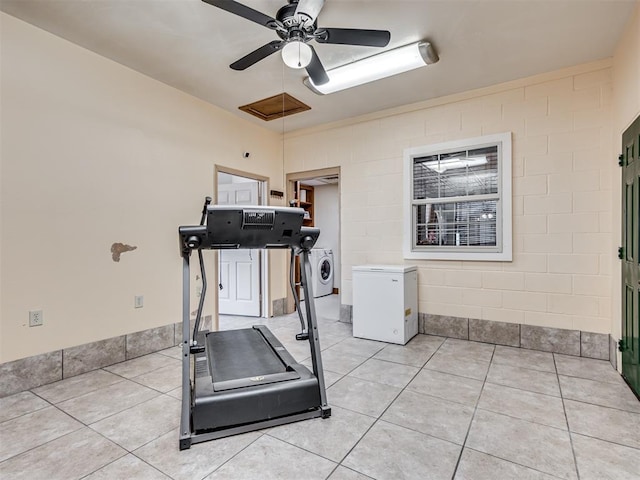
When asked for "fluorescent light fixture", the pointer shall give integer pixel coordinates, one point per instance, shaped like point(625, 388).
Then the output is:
point(382, 65)
point(296, 54)
point(442, 166)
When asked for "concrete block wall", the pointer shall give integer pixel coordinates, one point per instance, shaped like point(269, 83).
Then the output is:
point(561, 273)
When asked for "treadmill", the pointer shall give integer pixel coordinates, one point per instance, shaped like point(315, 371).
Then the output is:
point(237, 381)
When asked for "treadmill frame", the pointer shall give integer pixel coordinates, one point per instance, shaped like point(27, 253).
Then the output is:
point(187, 436)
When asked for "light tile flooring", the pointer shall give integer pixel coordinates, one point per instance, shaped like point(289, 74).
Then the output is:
point(435, 408)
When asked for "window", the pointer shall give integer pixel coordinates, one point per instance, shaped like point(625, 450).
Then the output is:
point(458, 200)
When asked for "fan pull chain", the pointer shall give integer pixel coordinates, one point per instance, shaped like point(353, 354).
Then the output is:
point(284, 176)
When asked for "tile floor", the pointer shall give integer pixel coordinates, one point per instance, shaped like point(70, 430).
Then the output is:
point(434, 409)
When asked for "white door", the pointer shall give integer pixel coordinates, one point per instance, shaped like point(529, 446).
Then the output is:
point(239, 270)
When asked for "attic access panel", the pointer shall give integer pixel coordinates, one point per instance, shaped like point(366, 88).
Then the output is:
point(278, 106)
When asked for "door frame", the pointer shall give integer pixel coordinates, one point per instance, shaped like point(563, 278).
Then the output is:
point(263, 189)
point(290, 181)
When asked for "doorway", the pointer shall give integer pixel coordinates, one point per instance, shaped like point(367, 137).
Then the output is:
point(318, 193)
point(242, 277)
point(630, 256)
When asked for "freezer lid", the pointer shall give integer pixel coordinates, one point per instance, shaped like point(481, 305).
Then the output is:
point(385, 268)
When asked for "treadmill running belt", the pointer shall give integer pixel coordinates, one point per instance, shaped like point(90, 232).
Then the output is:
point(236, 354)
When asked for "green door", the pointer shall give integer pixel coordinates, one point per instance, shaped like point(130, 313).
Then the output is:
point(630, 255)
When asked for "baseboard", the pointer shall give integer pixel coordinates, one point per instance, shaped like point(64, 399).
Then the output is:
point(31, 372)
point(555, 340)
point(279, 307)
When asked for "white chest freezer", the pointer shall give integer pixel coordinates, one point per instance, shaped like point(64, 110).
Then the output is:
point(385, 302)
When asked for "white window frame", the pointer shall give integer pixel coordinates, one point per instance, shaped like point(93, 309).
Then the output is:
point(504, 228)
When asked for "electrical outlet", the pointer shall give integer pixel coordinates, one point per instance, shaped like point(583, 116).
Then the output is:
point(138, 301)
point(36, 318)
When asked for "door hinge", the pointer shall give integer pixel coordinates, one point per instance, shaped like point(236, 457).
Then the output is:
point(621, 345)
point(620, 253)
point(621, 160)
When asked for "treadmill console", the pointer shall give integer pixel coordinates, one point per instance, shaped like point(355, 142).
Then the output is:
point(235, 226)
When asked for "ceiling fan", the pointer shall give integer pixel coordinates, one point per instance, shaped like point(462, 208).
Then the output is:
point(296, 26)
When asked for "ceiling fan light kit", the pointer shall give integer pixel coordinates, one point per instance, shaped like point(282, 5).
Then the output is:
point(376, 67)
point(296, 54)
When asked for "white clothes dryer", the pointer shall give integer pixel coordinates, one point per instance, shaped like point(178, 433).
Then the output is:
point(321, 271)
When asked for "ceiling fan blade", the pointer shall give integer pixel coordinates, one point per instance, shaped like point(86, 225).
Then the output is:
point(257, 55)
point(245, 12)
point(353, 36)
point(316, 71)
point(308, 10)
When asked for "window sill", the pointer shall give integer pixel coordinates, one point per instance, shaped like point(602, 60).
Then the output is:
point(471, 256)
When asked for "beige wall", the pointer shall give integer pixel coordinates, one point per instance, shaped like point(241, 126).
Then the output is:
point(94, 153)
point(562, 192)
point(626, 108)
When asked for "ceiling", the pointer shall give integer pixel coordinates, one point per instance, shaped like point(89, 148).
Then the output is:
point(189, 45)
